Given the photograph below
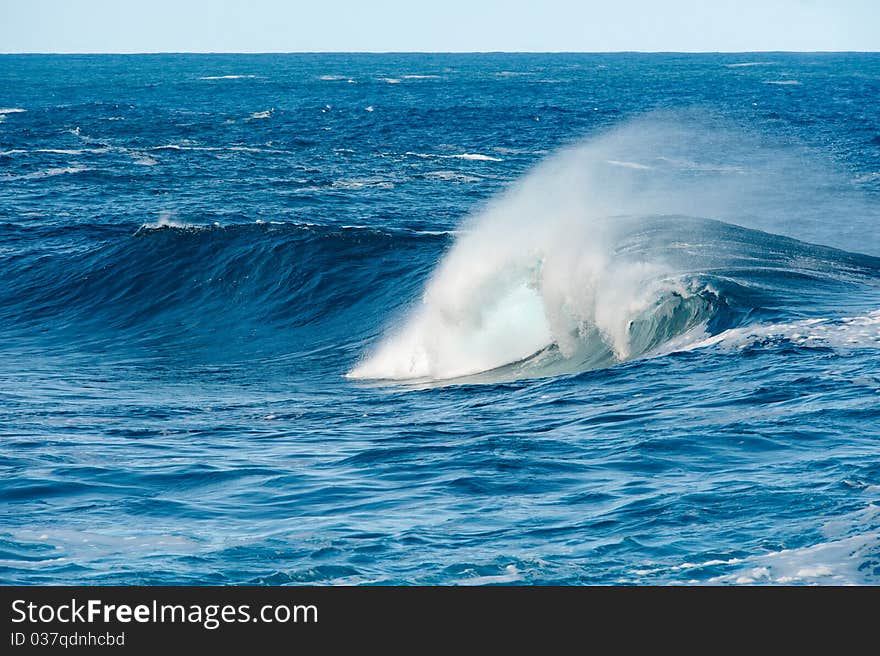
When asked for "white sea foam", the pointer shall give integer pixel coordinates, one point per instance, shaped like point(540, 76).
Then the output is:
point(783, 83)
point(840, 560)
point(369, 108)
point(511, 574)
point(452, 176)
point(228, 77)
point(73, 151)
point(250, 149)
point(264, 114)
point(167, 219)
point(748, 64)
point(390, 80)
point(142, 159)
point(11, 110)
point(846, 556)
point(841, 333)
point(185, 147)
point(477, 157)
point(419, 77)
point(60, 151)
point(82, 545)
point(361, 183)
point(48, 173)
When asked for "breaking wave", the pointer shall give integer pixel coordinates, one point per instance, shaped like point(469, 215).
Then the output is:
point(586, 263)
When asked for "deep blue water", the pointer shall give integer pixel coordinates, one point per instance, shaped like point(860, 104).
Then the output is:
point(440, 319)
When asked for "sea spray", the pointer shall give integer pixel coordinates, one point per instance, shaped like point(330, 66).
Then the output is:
point(546, 266)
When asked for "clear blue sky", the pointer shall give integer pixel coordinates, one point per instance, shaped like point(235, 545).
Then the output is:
point(439, 25)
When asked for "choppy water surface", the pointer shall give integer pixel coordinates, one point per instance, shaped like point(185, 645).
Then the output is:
point(456, 319)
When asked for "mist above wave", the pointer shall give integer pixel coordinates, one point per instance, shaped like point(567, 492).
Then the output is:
point(570, 270)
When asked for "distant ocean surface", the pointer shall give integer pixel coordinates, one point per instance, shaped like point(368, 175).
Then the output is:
point(440, 319)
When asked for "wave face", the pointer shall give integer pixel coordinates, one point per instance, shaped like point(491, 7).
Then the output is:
point(566, 272)
point(229, 292)
point(503, 305)
point(440, 319)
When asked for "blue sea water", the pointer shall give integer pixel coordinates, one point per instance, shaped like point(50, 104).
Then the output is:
point(440, 319)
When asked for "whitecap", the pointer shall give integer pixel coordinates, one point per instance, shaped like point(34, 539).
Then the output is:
point(48, 173)
point(228, 77)
point(390, 80)
point(264, 114)
point(174, 146)
point(167, 220)
point(748, 64)
point(783, 83)
point(452, 176)
point(361, 183)
point(475, 157)
point(61, 151)
point(467, 156)
point(144, 160)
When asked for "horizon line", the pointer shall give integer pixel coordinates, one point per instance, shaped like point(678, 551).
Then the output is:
point(438, 52)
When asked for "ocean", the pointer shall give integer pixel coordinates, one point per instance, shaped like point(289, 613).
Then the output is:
point(440, 319)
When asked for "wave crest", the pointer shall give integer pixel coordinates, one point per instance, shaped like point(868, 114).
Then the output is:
point(588, 262)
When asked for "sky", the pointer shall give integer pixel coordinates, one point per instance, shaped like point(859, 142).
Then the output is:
point(79, 26)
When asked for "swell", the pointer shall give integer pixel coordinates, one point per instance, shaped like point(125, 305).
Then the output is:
point(264, 290)
point(280, 286)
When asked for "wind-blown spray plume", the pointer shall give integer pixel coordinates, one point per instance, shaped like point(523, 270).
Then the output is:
point(594, 257)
